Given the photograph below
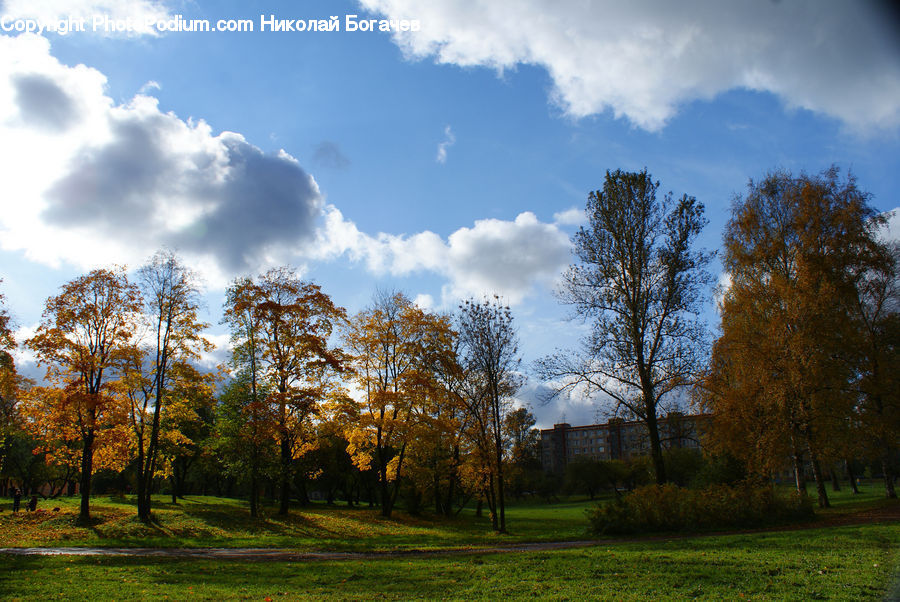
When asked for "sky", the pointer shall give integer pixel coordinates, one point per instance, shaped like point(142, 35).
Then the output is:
point(443, 148)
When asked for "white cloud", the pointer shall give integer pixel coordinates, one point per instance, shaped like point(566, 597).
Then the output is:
point(508, 258)
point(139, 13)
point(448, 141)
point(643, 59)
point(89, 182)
point(150, 85)
point(424, 301)
point(570, 217)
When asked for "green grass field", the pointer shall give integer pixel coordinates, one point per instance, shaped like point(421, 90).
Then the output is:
point(838, 563)
point(823, 562)
point(221, 522)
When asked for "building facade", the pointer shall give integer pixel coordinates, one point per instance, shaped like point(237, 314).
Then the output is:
point(617, 439)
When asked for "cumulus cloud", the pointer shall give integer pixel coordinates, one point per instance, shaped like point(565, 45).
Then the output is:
point(137, 12)
point(89, 181)
point(641, 60)
point(509, 258)
point(447, 142)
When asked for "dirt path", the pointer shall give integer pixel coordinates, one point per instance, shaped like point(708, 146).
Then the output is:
point(885, 514)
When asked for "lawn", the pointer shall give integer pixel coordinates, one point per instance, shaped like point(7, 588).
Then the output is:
point(847, 562)
point(838, 563)
point(222, 522)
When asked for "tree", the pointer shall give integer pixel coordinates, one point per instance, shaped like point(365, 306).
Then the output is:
point(524, 441)
point(875, 316)
point(171, 301)
point(641, 283)
point(245, 434)
point(244, 422)
point(10, 384)
point(780, 382)
point(282, 326)
point(84, 339)
point(489, 355)
point(394, 347)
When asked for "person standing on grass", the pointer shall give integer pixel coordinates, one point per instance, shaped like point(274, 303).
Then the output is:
point(32, 503)
point(17, 499)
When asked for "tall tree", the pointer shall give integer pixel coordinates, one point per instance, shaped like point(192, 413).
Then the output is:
point(393, 345)
point(84, 339)
point(875, 316)
point(245, 435)
point(245, 422)
point(173, 337)
point(10, 385)
point(290, 322)
point(489, 348)
point(780, 379)
point(642, 284)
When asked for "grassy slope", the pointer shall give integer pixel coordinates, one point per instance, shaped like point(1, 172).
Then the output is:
point(849, 562)
point(219, 522)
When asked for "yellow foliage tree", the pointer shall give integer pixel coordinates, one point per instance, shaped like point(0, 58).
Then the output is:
point(84, 338)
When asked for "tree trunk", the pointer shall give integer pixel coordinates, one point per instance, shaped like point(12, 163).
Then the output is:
point(87, 468)
point(888, 473)
point(254, 493)
point(835, 482)
point(659, 466)
point(500, 502)
point(820, 480)
point(797, 465)
point(851, 476)
point(285, 489)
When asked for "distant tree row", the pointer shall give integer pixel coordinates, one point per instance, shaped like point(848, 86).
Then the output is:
point(394, 401)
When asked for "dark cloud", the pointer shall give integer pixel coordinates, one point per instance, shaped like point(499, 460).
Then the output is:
point(159, 180)
point(112, 186)
point(328, 154)
point(42, 103)
point(266, 200)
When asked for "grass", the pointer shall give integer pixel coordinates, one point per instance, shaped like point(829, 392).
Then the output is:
point(838, 563)
point(826, 562)
point(221, 522)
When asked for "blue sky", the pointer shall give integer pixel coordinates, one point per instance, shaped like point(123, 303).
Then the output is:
point(446, 162)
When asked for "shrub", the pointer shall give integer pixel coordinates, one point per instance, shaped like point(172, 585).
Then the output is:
point(672, 508)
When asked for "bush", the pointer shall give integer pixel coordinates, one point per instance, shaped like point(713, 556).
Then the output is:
point(672, 508)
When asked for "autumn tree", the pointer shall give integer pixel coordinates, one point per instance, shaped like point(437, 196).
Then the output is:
point(284, 326)
point(10, 385)
point(875, 318)
point(641, 284)
point(187, 422)
point(489, 355)
point(781, 372)
point(245, 434)
point(524, 443)
point(245, 421)
point(84, 338)
point(171, 339)
point(393, 345)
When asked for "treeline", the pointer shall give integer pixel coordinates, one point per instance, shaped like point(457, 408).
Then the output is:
point(397, 404)
point(429, 421)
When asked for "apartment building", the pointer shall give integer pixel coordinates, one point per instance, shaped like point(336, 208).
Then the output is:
point(617, 439)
